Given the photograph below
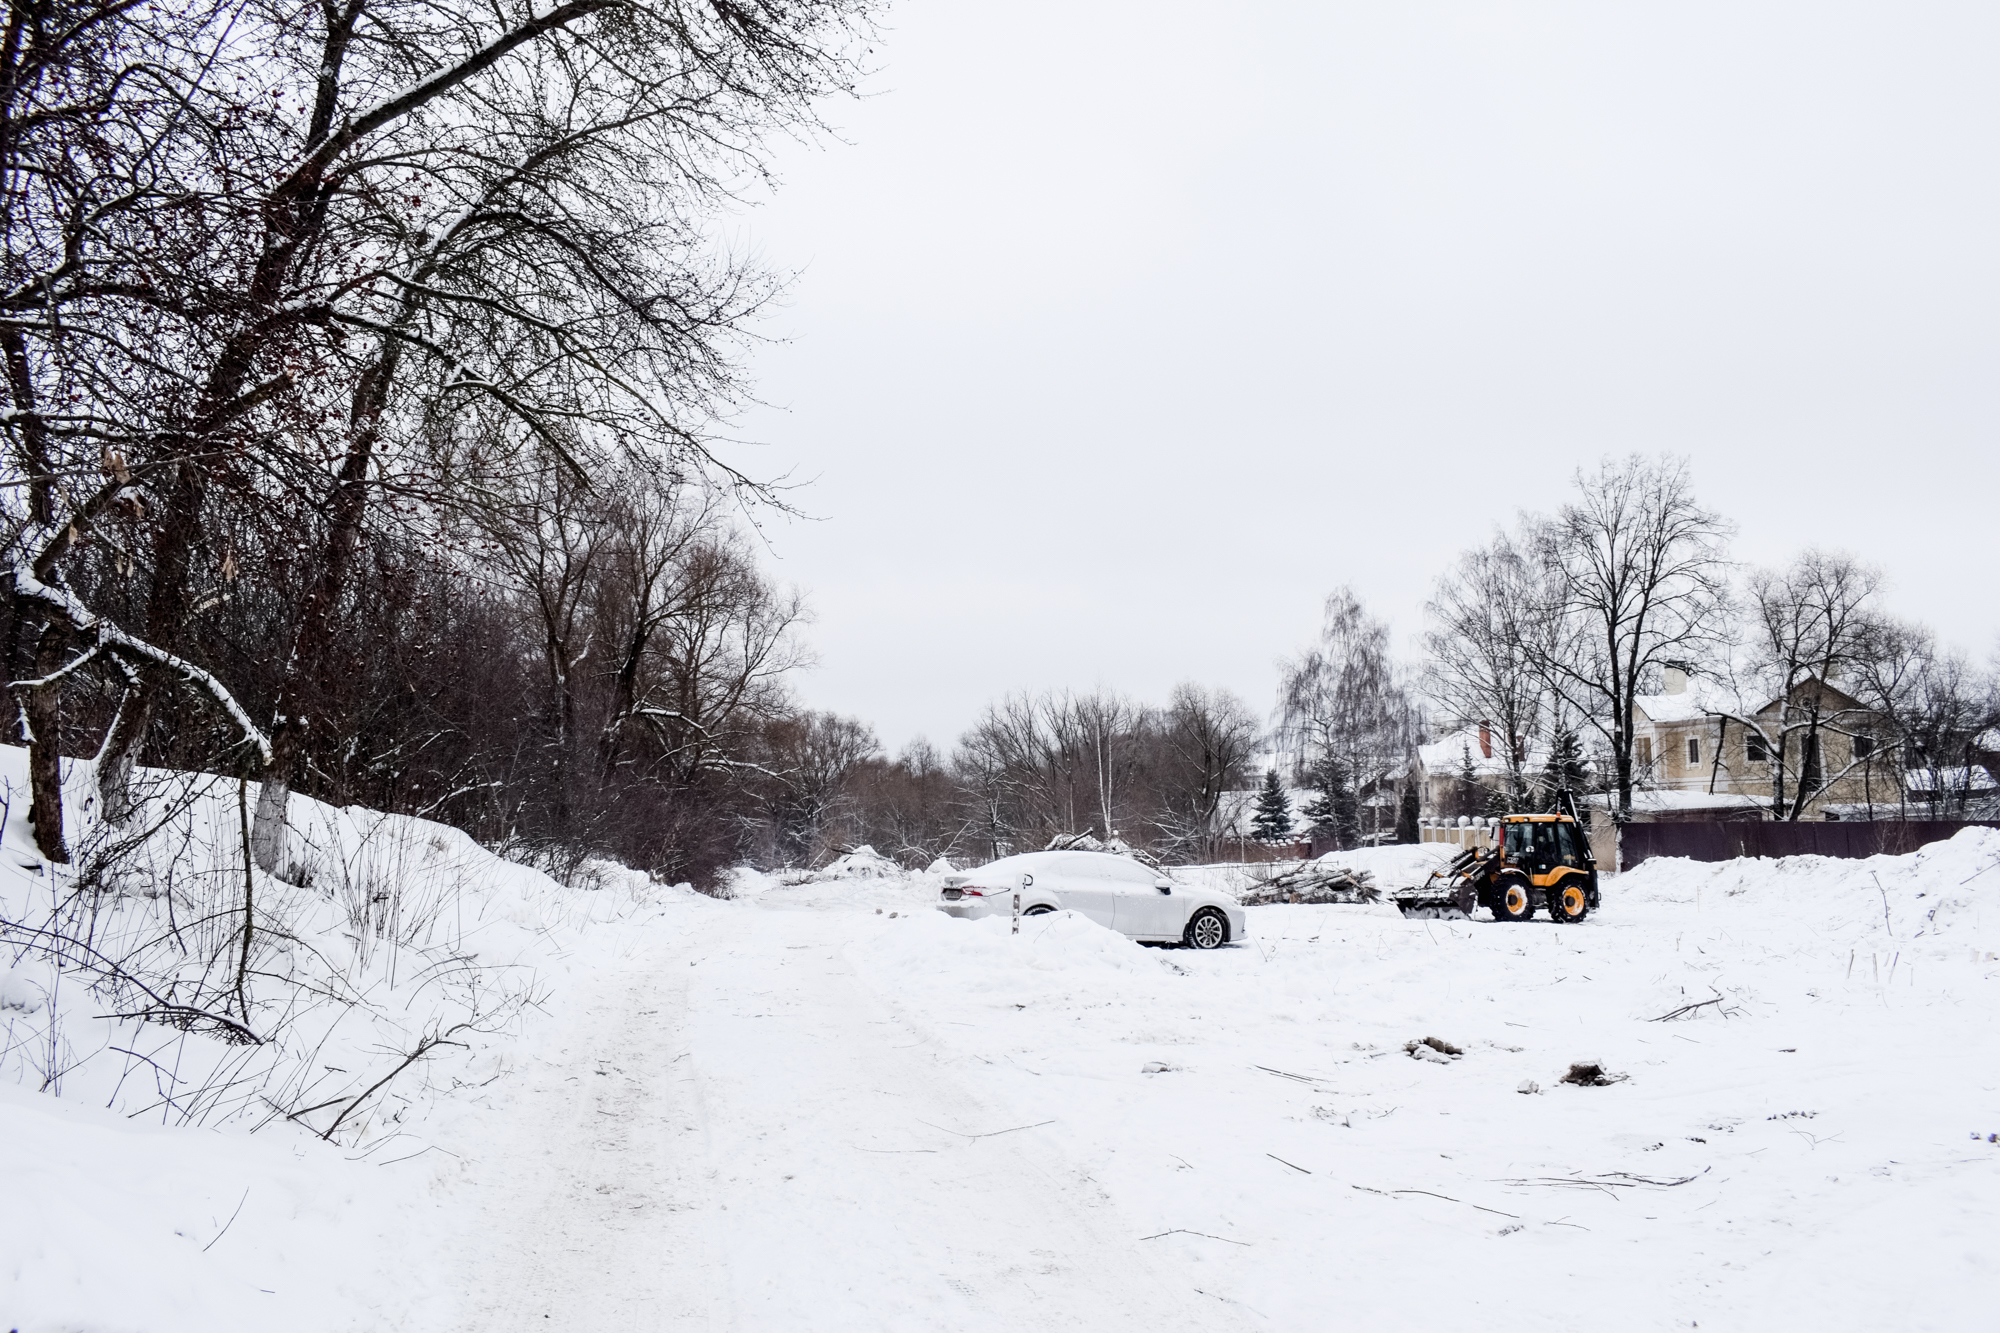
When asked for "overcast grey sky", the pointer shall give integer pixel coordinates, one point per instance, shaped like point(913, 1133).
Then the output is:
point(1126, 331)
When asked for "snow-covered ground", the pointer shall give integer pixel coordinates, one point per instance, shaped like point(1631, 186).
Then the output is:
point(825, 1106)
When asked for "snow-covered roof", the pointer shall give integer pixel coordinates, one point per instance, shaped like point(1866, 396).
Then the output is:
point(1447, 754)
point(1660, 802)
point(1700, 699)
point(1973, 779)
point(1987, 741)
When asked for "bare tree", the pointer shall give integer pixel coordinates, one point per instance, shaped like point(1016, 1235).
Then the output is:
point(1484, 645)
point(272, 259)
point(1341, 699)
point(1206, 740)
point(911, 808)
point(1936, 705)
point(1028, 755)
point(1635, 576)
point(811, 758)
point(651, 580)
point(1812, 628)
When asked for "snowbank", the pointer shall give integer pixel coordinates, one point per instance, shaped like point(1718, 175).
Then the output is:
point(861, 863)
point(986, 952)
point(1945, 895)
point(140, 1047)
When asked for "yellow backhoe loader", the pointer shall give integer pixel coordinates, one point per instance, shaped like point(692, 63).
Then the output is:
point(1540, 861)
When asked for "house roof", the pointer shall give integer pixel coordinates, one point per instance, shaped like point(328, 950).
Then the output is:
point(1705, 698)
point(1660, 802)
point(1945, 780)
point(1446, 755)
point(1700, 699)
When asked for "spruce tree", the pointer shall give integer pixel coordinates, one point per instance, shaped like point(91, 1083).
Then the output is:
point(1565, 769)
point(1273, 820)
point(1319, 813)
point(1334, 814)
point(1346, 804)
point(1407, 812)
point(1468, 782)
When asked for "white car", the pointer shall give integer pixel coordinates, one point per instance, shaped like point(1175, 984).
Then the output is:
point(1113, 891)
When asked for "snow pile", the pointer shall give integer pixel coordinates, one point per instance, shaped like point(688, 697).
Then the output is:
point(393, 976)
point(861, 863)
point(985, 953)
point(1945, 894)
point(130, 986)
point(117, 1224)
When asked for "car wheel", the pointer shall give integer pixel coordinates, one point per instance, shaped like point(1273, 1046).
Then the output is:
point(1206, 929)
point(1039, 909)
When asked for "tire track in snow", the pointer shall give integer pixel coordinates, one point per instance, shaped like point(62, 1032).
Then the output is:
point(850, 1190)
point(591, 1190)
point(827, 1182)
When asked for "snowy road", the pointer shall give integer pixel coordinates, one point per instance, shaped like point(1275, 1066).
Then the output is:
point(797, 1111)
point(733, 1132)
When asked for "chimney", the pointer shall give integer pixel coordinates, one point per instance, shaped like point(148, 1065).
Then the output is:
point(1677, 680)
point(1486, 740)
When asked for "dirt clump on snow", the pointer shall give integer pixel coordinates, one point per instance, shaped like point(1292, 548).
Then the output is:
point(1592, 1075)
point(1434, 1049)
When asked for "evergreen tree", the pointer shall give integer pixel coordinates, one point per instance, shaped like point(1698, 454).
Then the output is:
point(1406, 813)
point(1565, 768)
point(1468, 802)
point(1319, 813)
point(1334, 814)
point(1346, 805)
point(1273, 820)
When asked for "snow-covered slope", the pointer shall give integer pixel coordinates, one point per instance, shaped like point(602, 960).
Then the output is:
point(138, 1196)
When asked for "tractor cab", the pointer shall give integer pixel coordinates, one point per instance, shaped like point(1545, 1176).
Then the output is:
point(1540, 844)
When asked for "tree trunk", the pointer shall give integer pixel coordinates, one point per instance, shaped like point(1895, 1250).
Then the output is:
point(166, 612)
point(624, 698)
point(115, 759)
point(313, 639)
point(44, 716)
point(274, 795)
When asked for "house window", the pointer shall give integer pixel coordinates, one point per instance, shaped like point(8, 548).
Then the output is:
point(1863, 747)
point(1645, 751)
point(1755, 750)
point(1694, 751)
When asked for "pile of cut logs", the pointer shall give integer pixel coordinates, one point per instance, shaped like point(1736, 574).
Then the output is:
point(1314, 883)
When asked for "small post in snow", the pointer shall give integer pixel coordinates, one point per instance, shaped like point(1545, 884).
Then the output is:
point(1017, 911)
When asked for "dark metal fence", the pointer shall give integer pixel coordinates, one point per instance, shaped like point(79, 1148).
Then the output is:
point(1725, 841)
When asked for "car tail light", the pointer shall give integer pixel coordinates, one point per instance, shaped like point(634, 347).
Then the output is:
point(971, 892)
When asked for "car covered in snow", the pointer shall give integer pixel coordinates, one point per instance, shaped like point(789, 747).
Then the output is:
point(1112, 890)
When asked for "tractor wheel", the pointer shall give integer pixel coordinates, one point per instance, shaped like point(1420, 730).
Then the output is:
point(1513, 899)
point(1568, 902)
